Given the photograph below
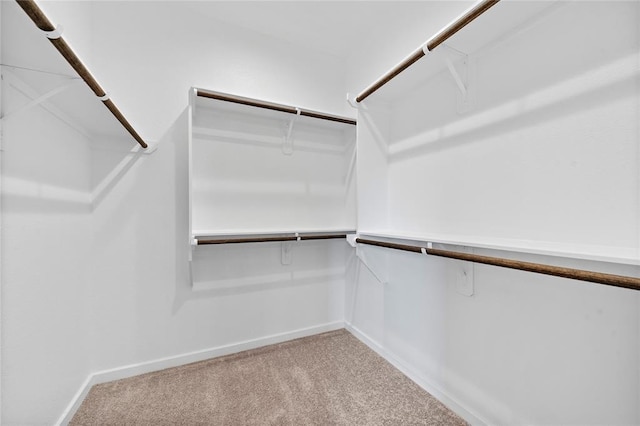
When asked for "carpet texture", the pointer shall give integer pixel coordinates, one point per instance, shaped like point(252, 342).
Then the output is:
point(327, 379)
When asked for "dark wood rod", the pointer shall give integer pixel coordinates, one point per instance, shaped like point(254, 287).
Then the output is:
point(477, 10)
point(385, 244)
point(272, 106)
point(36, 14)
point(118, 115)
point(433, 42)
point(244, 240)
point(322, 237)
point(391, 74)
point(42, 22)
point(257, 239)
point(557, 271)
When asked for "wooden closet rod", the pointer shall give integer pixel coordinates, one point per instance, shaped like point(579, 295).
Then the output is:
point(38, 17)
point(558, 271)
point(236, 240)
point(272, 106)
point(435, 41)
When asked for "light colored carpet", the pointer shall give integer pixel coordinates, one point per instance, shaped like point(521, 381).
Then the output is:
point(327, 379)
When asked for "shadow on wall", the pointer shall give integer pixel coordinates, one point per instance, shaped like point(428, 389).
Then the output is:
point(112, 172)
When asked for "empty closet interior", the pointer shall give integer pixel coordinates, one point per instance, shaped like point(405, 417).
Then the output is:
point(456, 184)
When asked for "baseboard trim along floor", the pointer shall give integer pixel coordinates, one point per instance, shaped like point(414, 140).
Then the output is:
point(418, 379)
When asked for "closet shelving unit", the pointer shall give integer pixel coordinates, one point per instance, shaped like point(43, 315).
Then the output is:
point(408, 137)
point(54, 34)
point(267, 172)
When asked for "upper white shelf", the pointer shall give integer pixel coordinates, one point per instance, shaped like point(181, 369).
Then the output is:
point(622, 255)
point(208, 102)
point(494, 27)
point(258, 167)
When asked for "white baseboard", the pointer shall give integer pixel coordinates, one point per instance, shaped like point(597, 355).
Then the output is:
point(418, 379)
point(177, 360)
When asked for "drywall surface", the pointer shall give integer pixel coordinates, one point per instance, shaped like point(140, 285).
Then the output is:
point(541, 158)
point(524, 349)
point(46, 240)
point(96, 272)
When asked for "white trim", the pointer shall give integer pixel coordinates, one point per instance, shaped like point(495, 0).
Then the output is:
point(178, 360)
point(611, 254)
point(442, 396)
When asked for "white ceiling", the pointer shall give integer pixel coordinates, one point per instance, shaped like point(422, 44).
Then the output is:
point(334, 27)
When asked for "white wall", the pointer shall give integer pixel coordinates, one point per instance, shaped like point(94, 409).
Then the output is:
point(95, 237)
point(1, 137)
point(46, 224)
point(545, 160)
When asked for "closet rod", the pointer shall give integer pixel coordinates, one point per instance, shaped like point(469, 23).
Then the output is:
point(272, 106)
point(435, 41)
point(54, 35)
point(289, 237)
point(558, 271)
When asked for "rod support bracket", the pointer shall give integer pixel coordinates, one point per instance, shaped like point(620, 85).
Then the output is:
point(55, 34)
point(286, 253)
point(352, 101)
point(462, 78)
point(287, 145)
point(363, 259)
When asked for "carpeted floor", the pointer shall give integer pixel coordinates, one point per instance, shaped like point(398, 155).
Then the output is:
point(328, 379)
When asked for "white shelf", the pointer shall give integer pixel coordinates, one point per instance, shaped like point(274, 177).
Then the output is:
point(255, 170)
point(213, 107)
point(493, 28)
point(251, 232)
point(621, 255)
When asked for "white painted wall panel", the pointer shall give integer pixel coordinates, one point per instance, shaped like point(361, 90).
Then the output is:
point(545, 160)
point(46, 234)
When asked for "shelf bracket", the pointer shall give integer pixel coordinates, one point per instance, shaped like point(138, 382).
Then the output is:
point(29, 92)
point(456, 77)
point(460, 78)
point(40, 99)
point(352, 101)
point(287, 146)
point(286, 252)
point(193, 242)
point(461, 273)
point(363, 260)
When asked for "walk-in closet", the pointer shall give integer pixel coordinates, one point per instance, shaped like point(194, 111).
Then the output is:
point(328, 213)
